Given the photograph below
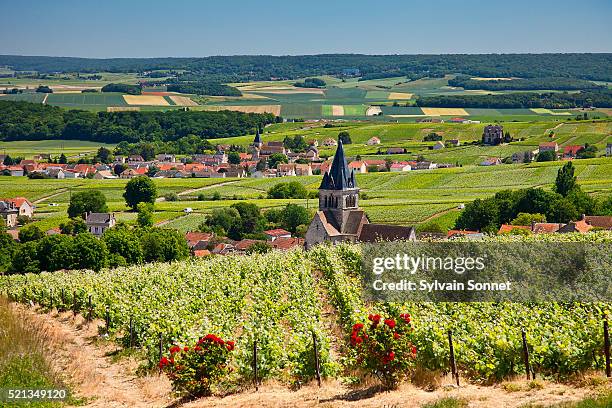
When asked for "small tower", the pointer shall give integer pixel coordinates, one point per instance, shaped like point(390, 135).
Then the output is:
point(338, 192)
point(257, 141)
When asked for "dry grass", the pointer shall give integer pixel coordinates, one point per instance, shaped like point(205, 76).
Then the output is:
point(399, 95)
point(444, 111)
point(150, 100)
point(182, 100)
point(275, 109)
point(337, 110)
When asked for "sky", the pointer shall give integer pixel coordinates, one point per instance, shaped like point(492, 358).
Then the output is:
point(197, 28)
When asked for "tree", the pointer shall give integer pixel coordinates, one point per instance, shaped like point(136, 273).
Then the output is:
point(233, 158)
point(87, 201)
point(123, 242)
point(293, 216)
point(103, 155)
point(548, 155)
point(251, 221)
point(57, 252)
point(260, 247)
point(527, 219)
point(30, 232)
point(276, 159)
point(91, 252)
point(344, 137)
point(63, 159)
point(294, 189)
point(481, 215)
point(221, 219)
point(566, 181)
point(145, 215)
point(163, 245)
point(25, 259)
point(9, 247)
point(140, 189)
point(73, 226)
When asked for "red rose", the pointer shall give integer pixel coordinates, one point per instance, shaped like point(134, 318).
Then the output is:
point(229, 345)
point(186, 348)
point(359, 340)
point(414, 350)
point(396, 336)
point(197, 348)
point(390, 323)
point(357, 327)
point(391, 356)
point(163, 362)
point(174, 349)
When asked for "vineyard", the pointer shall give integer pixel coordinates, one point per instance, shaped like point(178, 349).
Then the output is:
point(284, 300)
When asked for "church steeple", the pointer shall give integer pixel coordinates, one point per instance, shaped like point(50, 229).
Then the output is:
point(340, 177)
point(257, 141)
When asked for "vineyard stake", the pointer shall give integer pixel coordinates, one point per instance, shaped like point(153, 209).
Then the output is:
point(107, 320)
point(255, 364)
point(316, 357)
point(453, 364)
point(607, 346)
point(161, 347)
point(89, 308)
point(525, 353)
point(131, 333)
point(74, 303)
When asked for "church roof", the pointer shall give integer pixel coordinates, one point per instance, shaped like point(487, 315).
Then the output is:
point(339, 177)
point(257, 137)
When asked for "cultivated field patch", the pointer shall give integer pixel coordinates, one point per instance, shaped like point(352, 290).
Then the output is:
point(337, 110)
point(444, 111)
point(288, 90)
point(182, 100)
point(400, 95)
point(544, 111)
point(275, 109)
point(373, 111)
point(151, 100)
point(122, 108)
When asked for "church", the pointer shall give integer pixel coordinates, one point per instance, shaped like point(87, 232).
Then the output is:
point(339, 217)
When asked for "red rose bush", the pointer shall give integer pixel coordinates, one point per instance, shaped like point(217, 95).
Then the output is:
point(384, 348)
point(194, 370)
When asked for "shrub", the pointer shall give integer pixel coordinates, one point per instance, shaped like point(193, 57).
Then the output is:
point(194, 370)
point(171, 197)
point(384, 348)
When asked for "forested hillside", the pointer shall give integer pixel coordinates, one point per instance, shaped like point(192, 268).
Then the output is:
point(265, 67)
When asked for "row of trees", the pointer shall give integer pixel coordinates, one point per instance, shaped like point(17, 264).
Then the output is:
point(29, 121)
point(246, 221)
point(566, 203)
point(204, 88)
point(264, 67)
point(552, 100)
point(118, 246)
point(123, 88)
point(556, 83)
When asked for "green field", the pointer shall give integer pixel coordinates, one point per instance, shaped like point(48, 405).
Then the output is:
point(71, 148)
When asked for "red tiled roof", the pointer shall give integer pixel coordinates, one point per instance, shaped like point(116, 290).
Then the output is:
point(287, 243)
point(452, 233)
point(198, 236)
point(18, 201)
point(599, 221)
point(201, 252)
point(508, 228)
point(277, 232)
point(571, 149)
point(546, 227)
point(548, 144)
point(245, 244)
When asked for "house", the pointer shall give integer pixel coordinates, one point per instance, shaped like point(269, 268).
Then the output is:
point(373, 141)
point(129, 173)
point(598, 221)
point(199, 253)
point(97, 223)
point(285, 244)
point(41, 156)
point(104, 174)
point(329, 142)
point(399, 167)
point(9, 213)
point(312, 153)
point(16, 171)
point(457, 120)
point(523, 157)
point(580, 226)
point(492, 161)
point(283, 170)
point(425, 165)
point(545, 227)
point(439, 145)
point(339, 217)
point(303, 170)
point(197, 240)
point(493, 135)
point(570, 152)
point(548, 147)
point(506, 228)
point(235, 171)
point(359, 167)
point(135, 158)
point(277, 233)
point(223, 248)
point(55, 172)
point(454, 142)
point(396, 150)
point(164, 157)
point(609, 149)
point(313, 142)
point(464, 233)
point(23, 205)
point(71, 174)
point(380, 165)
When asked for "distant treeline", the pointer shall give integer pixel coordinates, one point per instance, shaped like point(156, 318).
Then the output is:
point(552, 100)
point(204, 88)
point(262, 67)
point(29, 121)
point(124, 88)
point(524, 84)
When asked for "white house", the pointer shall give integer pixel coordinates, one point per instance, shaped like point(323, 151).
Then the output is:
point(398, 167)
point(277, 233)
point(97, 223)
point(358, 166)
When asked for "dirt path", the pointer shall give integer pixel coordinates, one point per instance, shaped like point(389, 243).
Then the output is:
point(195, 190)
point(84, 360)
point(436, 215)
point(164, 222)
point(57, 192)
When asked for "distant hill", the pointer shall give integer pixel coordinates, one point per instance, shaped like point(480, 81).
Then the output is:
point(266, 67)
